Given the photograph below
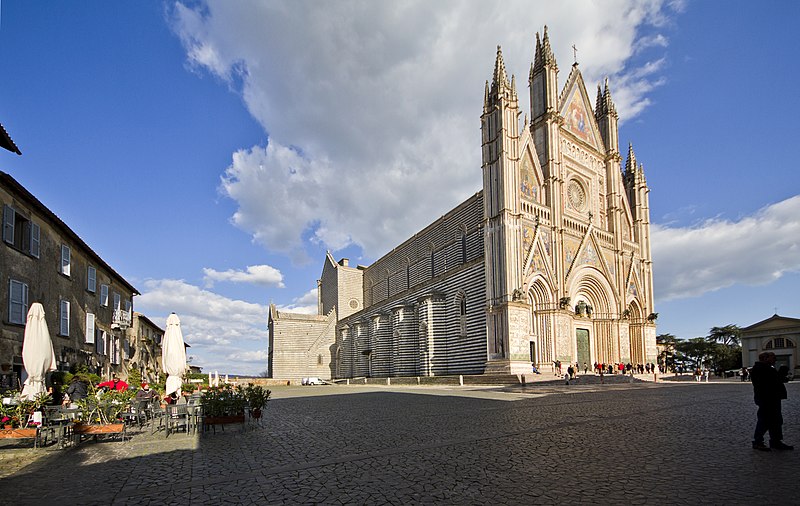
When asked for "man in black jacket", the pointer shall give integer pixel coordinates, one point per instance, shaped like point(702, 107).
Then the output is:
point(768, 391)
point(77, 390)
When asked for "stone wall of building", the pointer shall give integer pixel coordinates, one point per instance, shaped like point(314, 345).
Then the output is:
point(300, 345)
point(78, 290)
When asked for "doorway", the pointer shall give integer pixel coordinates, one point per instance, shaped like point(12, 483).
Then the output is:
point(582, 344)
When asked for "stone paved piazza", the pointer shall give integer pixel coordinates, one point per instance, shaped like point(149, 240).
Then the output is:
point(640, 443)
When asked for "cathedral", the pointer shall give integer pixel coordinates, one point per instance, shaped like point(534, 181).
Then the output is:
point(549, 261)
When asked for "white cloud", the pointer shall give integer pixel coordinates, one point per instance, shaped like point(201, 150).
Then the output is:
point(372, 108)
point(255, 274)
point(718, 253)
point(214, 326)
point(305, 304)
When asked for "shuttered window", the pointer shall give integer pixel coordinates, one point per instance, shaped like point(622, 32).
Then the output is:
point(20, 232)
point(64, 328)
point(35, 231)
point(90, 328)
point(91, 279)
point(65, 260)
point(17, 302)
point(8, 224)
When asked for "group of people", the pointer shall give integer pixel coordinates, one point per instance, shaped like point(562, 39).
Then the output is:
point(628, 368)
point(78, 389)
point(701, 374)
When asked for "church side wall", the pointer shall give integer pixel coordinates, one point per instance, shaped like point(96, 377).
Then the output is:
point(301, 347)
point(351, 290)
point(420, 332)
point(431, 252)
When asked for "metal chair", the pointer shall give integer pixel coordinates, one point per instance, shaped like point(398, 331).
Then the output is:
point(177, 415)
point(157, 413)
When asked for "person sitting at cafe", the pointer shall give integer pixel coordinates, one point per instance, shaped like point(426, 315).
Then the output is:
point(145, 393)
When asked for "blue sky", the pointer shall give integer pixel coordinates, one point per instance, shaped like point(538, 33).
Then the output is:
point(194, 145)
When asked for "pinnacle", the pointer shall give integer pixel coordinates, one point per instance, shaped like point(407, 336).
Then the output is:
point(500, 77)
point(544, 53)
point(630, 163)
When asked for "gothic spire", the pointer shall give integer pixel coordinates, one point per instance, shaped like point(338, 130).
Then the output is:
point(608, 103)
point(499, 77)
point(544, 53)
point(630, 163)
point(547, 52)
point(598, 104)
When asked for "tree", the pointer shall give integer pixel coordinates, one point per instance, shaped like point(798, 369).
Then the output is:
point(697, 351)
point(729, 335)
point(667, 343)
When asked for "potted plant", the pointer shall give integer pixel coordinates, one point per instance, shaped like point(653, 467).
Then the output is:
point(257, 397)
point(16, 416)
point(101, 411)
point(223, 404)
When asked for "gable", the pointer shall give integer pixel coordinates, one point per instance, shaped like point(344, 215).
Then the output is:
point(530, 174)
point(578, 115)
point(774, 322)
point(536, 241)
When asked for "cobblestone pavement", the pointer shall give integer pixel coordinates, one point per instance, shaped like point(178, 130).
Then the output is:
point(616, 443)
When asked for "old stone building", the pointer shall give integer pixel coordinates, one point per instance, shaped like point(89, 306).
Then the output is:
point(549, 262)
point(87, 303)
point(145, 338)
point(778, 334)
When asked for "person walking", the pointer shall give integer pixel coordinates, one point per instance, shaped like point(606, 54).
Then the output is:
point(768, 391)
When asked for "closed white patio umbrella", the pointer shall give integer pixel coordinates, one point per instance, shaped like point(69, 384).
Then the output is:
point(37, 352)
point(173, 355)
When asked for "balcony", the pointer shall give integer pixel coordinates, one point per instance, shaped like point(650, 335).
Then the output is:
point(121, 319)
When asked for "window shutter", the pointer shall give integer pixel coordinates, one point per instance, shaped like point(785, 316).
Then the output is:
point(90, 328)
point(104, 295)
point(8, 224)
point(17, 301)
point(35, 240)
point(117, 301)
point(65, 259)
point(91, 279)
point(64, 318)
point(98, 344)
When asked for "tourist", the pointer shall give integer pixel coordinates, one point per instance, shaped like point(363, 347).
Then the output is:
point(768, 391)
point(145, 393)
point(76, 391)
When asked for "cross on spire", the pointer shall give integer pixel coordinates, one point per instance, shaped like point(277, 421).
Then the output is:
point(575, 53)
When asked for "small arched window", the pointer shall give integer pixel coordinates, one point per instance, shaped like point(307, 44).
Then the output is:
point(463, 247)
point(779, 342)
point(461, 301)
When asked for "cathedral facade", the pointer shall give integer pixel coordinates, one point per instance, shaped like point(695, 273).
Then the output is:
point(549, 262)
